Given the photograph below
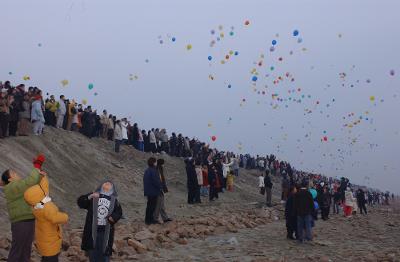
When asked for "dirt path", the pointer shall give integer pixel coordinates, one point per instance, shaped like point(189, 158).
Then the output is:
point(375, 237)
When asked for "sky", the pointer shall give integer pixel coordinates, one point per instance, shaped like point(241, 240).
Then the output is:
point(326, 97)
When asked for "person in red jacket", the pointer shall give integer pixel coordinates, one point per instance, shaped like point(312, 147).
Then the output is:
point(205, 186)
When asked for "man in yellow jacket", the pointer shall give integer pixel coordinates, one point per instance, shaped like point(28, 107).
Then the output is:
point(48, 235)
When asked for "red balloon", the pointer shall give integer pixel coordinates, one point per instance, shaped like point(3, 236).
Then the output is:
point(213, 138)
point(325, 138)
point(247, 22)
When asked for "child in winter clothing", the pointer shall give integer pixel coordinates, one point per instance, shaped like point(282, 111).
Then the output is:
point(48, 232)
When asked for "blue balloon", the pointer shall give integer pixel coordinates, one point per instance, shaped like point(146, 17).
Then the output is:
point(209, 58)
point(229, 86)
point(236, 53)
point(273, 42)
point(254, 78)
point(173, 39)
point(295, 32)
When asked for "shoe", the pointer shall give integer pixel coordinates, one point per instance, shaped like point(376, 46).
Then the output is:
point(167, 220)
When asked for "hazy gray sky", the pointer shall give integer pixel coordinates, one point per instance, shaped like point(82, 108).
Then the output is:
point(108, 42)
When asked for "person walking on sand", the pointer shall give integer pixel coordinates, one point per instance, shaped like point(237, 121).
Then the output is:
point(361, 201)
point(103, 212)
point(304, 207)
point(19, 212)
point(290, 215)
point(268, 188)
point(48, 232)
point(152, 189)
point(160, 207)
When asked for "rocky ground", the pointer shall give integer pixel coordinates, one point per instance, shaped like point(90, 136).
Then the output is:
point(237, 227)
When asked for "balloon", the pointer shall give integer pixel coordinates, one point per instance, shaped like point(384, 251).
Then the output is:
point(272, 49)
point(212, 31)
point(325, 138)
point(39, 45)
point(313, 192)
point(272, 68)
point(236, 53)
point(26, 78)
point(189, 46)
point(95, 94)
point(173, 39)
point(392, 72)
point(231, 33)
point(213, 138)
point(147, 60)
point(227, 57)
point(231, 52)
point(209, 58)
point(299, 40)
point(64, 82)
point(229, 86)
point(10, 73)
point(84, 101)
point(254, 78)
point(372, 98)
point(90, 86)
point(161, 41)
point(274, 42)
point(295, 32)
point(247, 22)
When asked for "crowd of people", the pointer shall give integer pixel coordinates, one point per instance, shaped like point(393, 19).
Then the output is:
point(209, 173)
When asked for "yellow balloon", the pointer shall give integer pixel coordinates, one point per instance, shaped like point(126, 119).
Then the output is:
point(64, 82)
point(84, 101)
point(189, 46)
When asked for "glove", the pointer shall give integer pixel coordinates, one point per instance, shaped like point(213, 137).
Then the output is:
point(38, 161)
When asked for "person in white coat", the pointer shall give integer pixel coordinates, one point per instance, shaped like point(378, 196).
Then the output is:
point(37, 116)
point(152, 141)
point(117, 135)
point(61, 111)
point(124, 129)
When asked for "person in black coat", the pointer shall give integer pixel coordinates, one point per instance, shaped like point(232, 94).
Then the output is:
point(304, 206)
point(325, 203)
point(103, 212)
point(290, 215)
point(152, 190)
point(361, 201)
point(192, 182)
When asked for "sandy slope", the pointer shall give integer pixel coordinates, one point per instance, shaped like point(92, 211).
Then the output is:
point(235, 228)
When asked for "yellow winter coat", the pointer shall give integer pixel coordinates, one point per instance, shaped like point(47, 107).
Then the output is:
point(48, 236)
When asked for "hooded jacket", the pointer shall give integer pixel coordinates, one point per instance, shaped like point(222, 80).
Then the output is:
point(48, 233)
point(18, 209)
point(37, 113)
point(90, 228)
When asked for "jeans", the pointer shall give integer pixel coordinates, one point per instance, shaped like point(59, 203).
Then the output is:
point(160, 208)
point(204, 191)
point(150, 208)
point(117, 145)
point(141, 146)
point(268, 193)
point(38, 127)
point(304, 226)
point(22, 238)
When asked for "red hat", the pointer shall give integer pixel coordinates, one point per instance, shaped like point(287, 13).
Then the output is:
point(38, 161)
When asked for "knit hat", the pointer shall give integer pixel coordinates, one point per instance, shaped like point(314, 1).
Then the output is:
point(38, 161)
